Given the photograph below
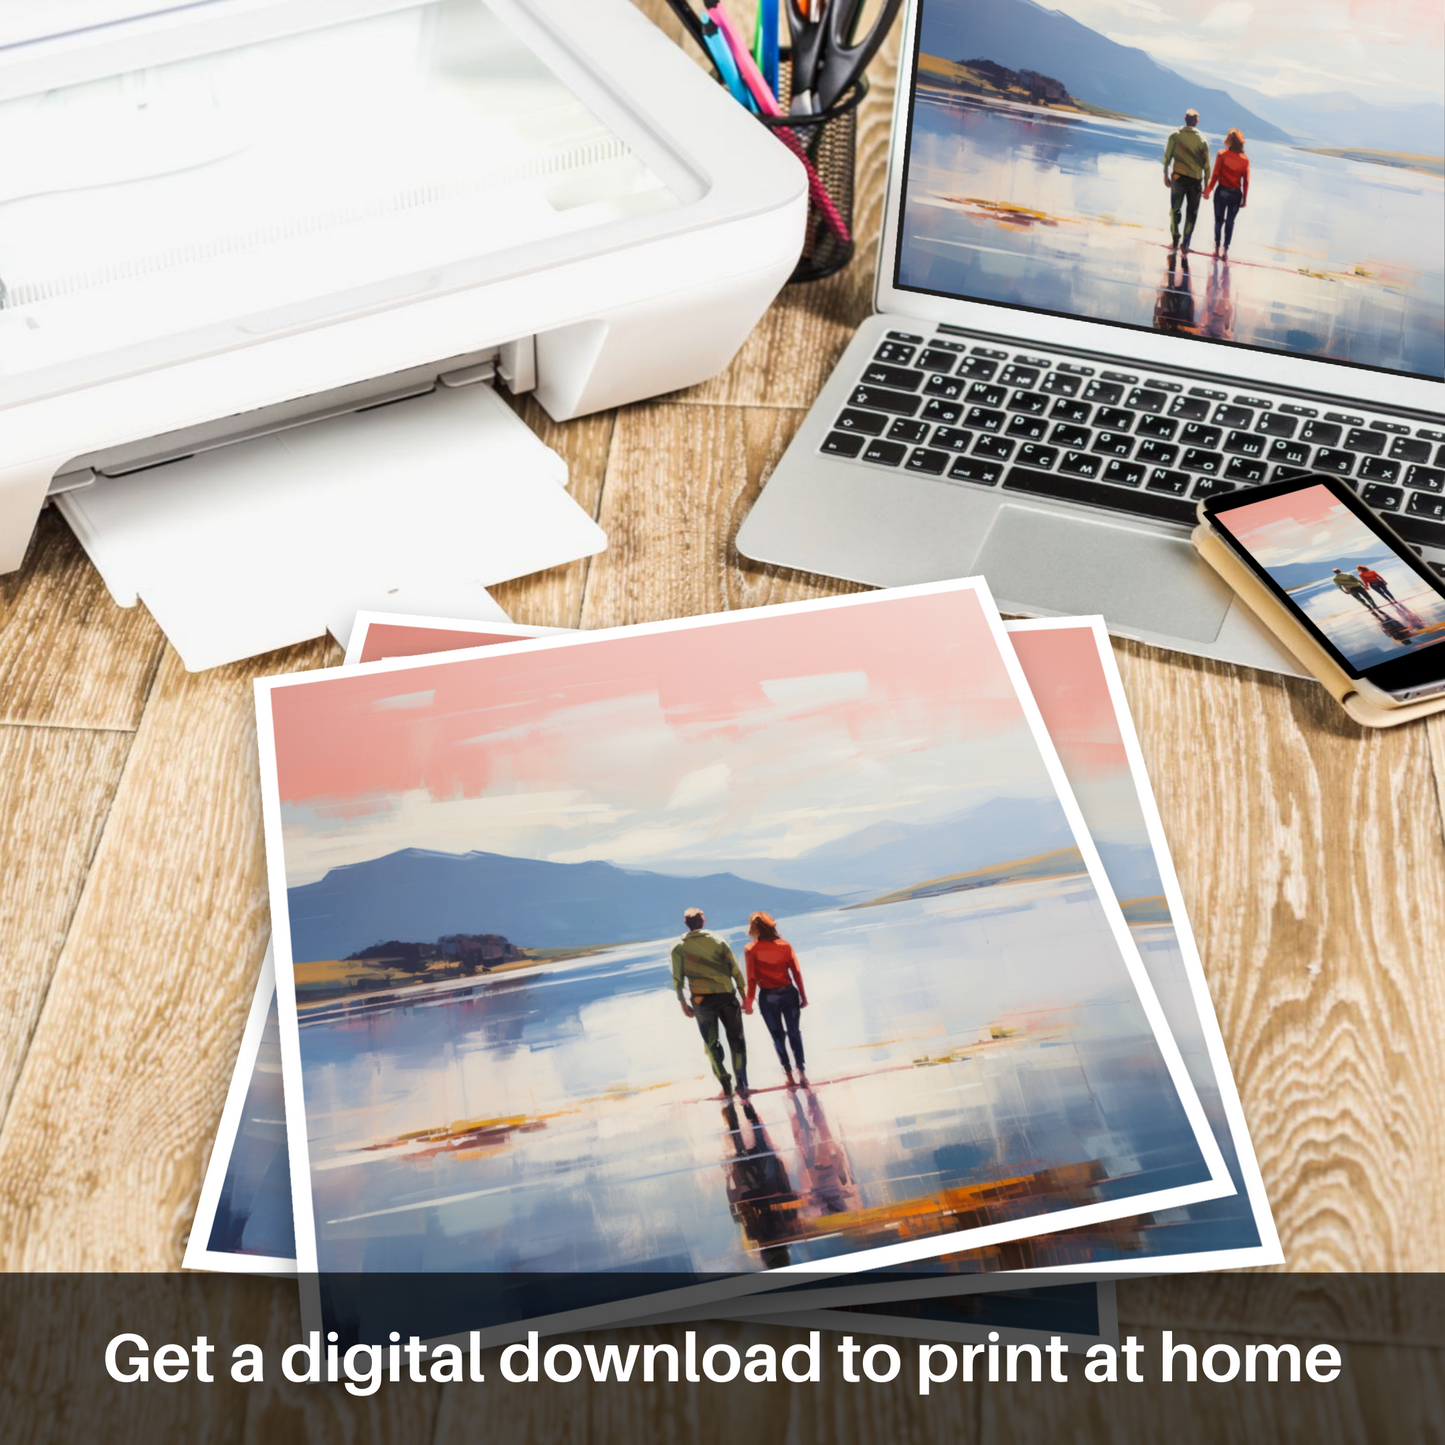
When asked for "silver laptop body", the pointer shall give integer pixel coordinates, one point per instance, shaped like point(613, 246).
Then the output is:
point(942, 445)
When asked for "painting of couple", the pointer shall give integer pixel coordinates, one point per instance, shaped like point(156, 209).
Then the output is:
point(719, 994)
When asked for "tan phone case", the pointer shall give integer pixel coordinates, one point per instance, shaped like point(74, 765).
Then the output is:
point(1280, 621)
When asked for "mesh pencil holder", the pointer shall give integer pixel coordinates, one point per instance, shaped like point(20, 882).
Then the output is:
point(827, 145)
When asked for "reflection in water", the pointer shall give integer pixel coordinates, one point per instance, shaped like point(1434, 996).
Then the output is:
point(760, 1195)
point(1174, 306)
point(1408, 616)
point(1218, 318)
point(826, 1175)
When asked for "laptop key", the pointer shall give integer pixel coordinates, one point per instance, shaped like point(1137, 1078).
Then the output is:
point(1124, 474)
point(1112, 444)
point(1161, 479)
point(1073, 488)
point(906, 430)
point(1422, 504)
point(977, 368)
point(867, 422)
point(1382, 499)
point(1425, 479)
point(1233, 416)
point(936, 409)
point(1035, 403)
point(1245, 469)
point(948, 387)
point(1322, 433)
point(878, 398)
point(886, 454)
point(1328, 459)
point(1070, 436)
point(1377, 469)
point(990, 351)
point(955, 439)
point(985, 395)
point(1145, 398)
point(1272, 424)
point(1244, 444)
point(1113, 418)
point(980, 418)
point(1189, 408)
point(905, 336)
point(996, 447)
point(1156, 454)
point(971, 469)
point(1195, 435)
point(1060, 383)
point(1081, 464)
point(1406, 449)
point(876, 373)
point(843, 444)
point(1196, 459)
point(1372, 443)
point(1292, 454)
point(935, 360)
point(1162, 427)
point(1036, 456)
point(1212, 487)
point(1107, 392)
point(1419, 529)
point(1015, 375)
point(1030, 427)
point(924, 459)
point(895, 353)
point(1066, 410)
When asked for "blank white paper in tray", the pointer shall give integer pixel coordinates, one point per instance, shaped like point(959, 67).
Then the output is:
point(417, 506)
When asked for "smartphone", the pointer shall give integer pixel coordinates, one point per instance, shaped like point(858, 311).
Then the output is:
point(1357, 588)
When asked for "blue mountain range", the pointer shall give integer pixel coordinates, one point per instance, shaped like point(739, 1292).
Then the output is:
point(417, 894)
point(1024, 36)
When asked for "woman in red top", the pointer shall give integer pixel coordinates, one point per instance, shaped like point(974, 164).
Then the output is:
point(776, 981)
point(1230, 186)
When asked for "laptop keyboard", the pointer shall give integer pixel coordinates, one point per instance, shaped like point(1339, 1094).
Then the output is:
point(1147, 444)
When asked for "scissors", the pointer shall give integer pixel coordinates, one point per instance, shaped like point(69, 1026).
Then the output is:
point(827, 54)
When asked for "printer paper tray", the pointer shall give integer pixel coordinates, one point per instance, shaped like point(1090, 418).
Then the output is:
point(417, 506)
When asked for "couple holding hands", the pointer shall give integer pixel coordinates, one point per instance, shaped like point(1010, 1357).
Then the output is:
point(704, 963)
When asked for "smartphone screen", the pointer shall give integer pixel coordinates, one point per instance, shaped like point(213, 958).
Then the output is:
point(1366, 597)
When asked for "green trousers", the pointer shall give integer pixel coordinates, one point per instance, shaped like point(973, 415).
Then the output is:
point(710, 1010)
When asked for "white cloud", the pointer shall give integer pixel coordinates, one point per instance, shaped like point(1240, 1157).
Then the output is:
point(702, 785)
point(798, 694)
point(404, 701)
point(1232, 15)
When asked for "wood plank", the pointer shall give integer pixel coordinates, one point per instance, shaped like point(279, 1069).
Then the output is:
point(69, 657)
point(56, 786)
point(1311, 857)
point(115, 1109)
point(1383, 1396)
point(679, 482)
point(554, 598)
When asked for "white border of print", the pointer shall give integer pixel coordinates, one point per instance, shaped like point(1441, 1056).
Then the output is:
point(365, 621)
point(1218, 1184)
point(199, 1255)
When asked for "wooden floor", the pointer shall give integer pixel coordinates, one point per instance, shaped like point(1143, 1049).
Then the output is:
point(1311, 855)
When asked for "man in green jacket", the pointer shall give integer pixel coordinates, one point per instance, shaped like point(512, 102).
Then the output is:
point(1351, 585)
point(705, 963)
point(1186, 164)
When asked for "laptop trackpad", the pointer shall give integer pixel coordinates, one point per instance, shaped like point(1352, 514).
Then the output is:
point(1073, 565)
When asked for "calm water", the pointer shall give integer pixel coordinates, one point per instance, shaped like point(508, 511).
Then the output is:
point(1414, 619)
point(628, 1160)
point(1331, 257)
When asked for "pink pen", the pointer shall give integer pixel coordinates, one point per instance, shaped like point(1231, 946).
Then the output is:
point(768, 105)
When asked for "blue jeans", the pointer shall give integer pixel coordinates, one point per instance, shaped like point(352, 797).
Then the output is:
point(780, 1008)
point(1226, 207)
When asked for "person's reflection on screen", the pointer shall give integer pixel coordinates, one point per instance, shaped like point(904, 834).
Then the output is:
point(760, 1194)
point(1218, 319)
point(1174, 305)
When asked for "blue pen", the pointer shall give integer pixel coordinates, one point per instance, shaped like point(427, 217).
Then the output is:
point(727, 67)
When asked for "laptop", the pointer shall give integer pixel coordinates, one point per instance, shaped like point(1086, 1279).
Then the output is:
point(1051, 382)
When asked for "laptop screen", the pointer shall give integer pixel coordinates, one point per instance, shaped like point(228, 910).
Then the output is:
point(1260, 173)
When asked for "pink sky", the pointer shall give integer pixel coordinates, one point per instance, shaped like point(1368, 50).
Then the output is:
point(1068, 683)
point(932, 671)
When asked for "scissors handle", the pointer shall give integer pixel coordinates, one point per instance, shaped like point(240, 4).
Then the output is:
point(843, 58)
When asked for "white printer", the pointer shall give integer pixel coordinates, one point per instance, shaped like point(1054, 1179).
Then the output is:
point(225, 224)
